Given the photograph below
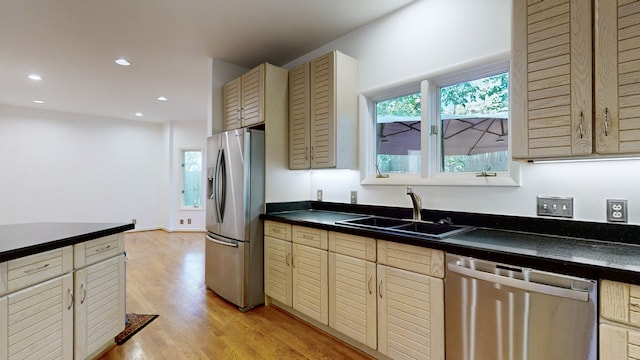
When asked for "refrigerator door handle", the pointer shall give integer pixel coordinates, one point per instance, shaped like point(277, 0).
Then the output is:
point(223, 174)
point(225, 243)
point(216, 187)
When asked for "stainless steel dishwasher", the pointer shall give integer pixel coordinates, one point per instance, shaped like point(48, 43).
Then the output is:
point(502, 312)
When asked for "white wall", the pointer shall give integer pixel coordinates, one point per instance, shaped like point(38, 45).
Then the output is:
point(75, 168)
point(427, 37)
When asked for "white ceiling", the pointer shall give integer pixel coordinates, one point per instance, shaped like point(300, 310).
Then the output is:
point(73, 45)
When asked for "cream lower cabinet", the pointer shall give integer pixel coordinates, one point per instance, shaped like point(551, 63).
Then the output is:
point(410, 301)
point(278, 276)
point(277, 270)
point(310, 273)
point(352, 287)
point(37, 322)
point(620, 321)
point(99, 306)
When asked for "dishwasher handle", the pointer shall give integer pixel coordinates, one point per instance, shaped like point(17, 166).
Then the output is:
point(519, 284)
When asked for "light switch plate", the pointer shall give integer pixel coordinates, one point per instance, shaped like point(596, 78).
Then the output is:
point(354, 197)
point(555, 206)
point(319, 195)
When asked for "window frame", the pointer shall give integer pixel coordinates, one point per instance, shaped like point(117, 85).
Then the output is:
point(182, 179)
point(430, 144)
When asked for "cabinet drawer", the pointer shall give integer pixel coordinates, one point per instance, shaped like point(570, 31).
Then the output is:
point(277, 230)
point(311, 237)
point(352, 245)
point(93, 251)
point(410, 257)
point(620, 302)
point(32, 269)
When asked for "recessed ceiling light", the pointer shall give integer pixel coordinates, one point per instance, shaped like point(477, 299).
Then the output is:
point(162, 98)
point(139, 114)
point(123, 62)
point(38, 101)
point(35, 77)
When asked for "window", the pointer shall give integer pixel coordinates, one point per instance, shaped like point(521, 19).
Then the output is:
point(453, 131)
point(398, 123)
point(473, 118)
point(191, 178)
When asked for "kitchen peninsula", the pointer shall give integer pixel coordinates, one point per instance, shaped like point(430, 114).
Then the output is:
point(73, 274)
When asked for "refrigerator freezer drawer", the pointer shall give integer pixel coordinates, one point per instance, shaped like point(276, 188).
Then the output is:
point(224, 269)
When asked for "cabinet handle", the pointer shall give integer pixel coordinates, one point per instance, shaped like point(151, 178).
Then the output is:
point(103, 249)
point(276, 230)
point(308, 237)
point(633, 305)
point(369, 284)
point(306, 153)
point(581, 126)
point(293, 260)
point(84, 294)
point(29, 271)
point(380, 288)
point(312, 155)
point(606, 121)
point(70, 299)
point(287, 259)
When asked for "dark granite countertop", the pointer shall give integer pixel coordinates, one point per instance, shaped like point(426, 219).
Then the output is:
point(17, 240)
point(566, 254)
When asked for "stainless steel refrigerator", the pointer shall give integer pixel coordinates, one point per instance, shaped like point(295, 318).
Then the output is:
point(235, 199)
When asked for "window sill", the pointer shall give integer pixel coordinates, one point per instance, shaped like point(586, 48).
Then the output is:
point(191, 208)
point(443, 180)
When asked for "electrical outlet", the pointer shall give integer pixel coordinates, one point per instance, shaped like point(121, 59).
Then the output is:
point(319, 195)
point(133, 221)
point(354, 197)
point(188, 221)
point(181, 221)
point(555, 206)
point(617, 210)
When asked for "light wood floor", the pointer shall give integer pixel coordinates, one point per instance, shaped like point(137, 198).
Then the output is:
point(165, 276)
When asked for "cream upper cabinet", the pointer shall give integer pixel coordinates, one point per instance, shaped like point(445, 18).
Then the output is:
point(255, 97)
point(352, 287)
point(551, 72)
point(617, 76)
point(323, 113)
point(551, 78)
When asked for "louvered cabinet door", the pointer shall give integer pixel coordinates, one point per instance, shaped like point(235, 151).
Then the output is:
point(618, 343)
point(410, 315)
point(617, 75)
point(311, 282)
point(551, 78)
point(352, 298)
point(231, 103)
point(299, 118)
point(277, 270)
point(99, 306)
point(323, 111)
point(253, 96)
point(37, 322)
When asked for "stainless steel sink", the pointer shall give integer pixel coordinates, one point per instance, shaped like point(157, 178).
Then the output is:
point(408, 227)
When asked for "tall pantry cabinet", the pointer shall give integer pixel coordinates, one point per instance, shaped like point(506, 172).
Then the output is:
point(552, 112)
point(323, 124)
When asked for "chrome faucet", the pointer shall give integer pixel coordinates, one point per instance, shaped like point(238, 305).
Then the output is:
point(417, 204)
